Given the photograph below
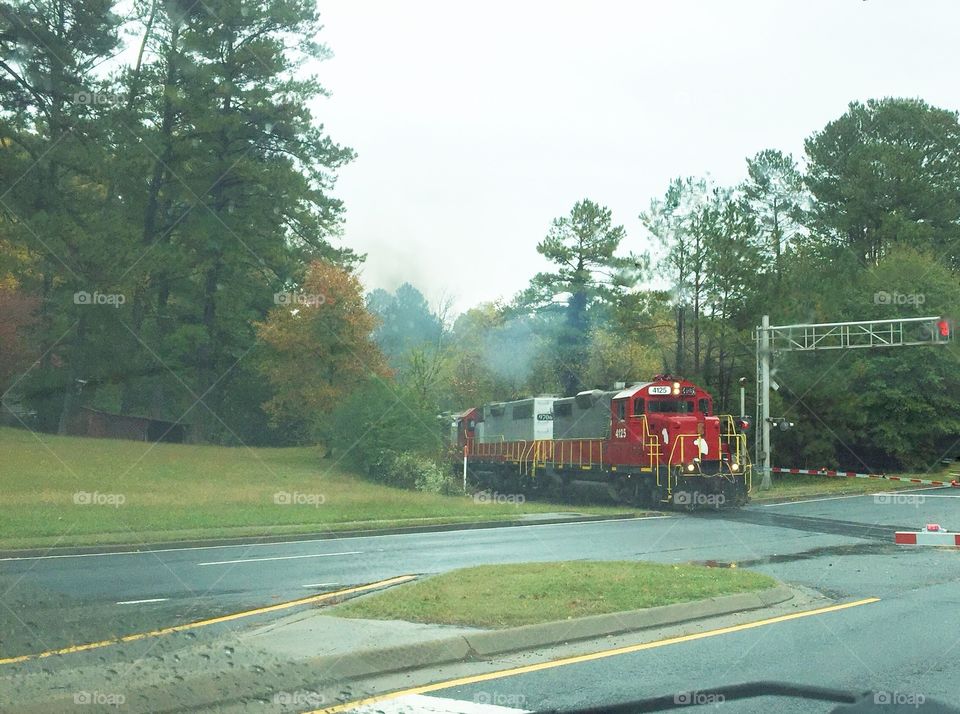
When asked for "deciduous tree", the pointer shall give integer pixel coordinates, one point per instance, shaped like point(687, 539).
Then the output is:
point(318, 346)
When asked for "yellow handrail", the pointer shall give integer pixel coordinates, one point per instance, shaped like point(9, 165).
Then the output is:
point(537, 453)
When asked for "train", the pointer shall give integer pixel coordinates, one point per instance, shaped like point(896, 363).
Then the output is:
point(656, 444)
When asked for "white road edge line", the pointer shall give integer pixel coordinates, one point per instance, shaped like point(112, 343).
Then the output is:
point(280, 557)
point(927, 495)
point(282, 543)
point(319, 585)
point(140, 602)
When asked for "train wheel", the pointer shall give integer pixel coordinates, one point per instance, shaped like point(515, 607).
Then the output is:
point(559, 487)
point(503, 481)
point(479, 479)
point(646, 491)
point(624, 490)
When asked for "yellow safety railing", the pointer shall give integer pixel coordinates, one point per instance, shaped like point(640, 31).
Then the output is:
point(582, 452)
point(652, 442)
point(511, 450)
point(587, 453)
point(525, 456)
point(540, 452)
point(517, 450)
point(735, 440)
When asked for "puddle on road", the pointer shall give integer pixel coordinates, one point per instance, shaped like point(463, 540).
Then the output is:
point(834, 550)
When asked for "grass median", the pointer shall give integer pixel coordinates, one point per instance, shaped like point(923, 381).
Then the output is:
point(60, 490)
point(496, 596)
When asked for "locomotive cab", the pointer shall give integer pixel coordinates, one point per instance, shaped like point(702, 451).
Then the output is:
point(667, 423)
point(464, 429)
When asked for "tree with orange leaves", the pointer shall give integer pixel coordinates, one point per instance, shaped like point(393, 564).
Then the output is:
point(317, 345)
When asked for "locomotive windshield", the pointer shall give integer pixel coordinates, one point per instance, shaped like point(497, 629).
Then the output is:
point(670, 406)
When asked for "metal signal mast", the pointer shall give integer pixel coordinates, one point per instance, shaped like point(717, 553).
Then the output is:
point(814, 337)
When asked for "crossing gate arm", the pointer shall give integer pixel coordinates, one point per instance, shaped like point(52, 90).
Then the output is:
point(877, 477)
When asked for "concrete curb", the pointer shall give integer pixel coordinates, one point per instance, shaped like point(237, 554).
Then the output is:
point(483, 645)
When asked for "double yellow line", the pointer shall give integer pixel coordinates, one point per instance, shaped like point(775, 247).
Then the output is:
point(323, 597)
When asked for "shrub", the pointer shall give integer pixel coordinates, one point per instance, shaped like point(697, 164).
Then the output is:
point(412, 471)
point(433, 478)
point(381, 420)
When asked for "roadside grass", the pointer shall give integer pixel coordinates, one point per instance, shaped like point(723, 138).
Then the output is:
point(183, 492)
point(495, 596)
point(180, 492)
point(799, 486)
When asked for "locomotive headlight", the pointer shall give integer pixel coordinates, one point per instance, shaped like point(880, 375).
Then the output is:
point(690, 467)
point(734, 466)
point(676, 388)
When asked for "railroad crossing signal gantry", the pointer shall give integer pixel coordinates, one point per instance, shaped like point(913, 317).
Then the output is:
point(813, 337)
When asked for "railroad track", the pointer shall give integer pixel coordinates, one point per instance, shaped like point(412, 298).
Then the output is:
point(868, 531)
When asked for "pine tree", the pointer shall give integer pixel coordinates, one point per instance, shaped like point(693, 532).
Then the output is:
point(583, 246)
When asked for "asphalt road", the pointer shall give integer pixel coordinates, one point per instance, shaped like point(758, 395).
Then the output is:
point(908, 642)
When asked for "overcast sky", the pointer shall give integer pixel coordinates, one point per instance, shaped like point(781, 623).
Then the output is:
point(476, 124)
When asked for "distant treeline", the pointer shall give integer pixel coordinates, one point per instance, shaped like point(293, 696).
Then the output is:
point(169, 248)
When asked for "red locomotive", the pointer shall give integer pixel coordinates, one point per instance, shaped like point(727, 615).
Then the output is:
point(650, 444)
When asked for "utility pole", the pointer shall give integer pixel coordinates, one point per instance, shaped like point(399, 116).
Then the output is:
point(765, 404)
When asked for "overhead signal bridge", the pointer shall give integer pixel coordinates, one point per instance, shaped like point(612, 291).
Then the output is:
point(813, 337)
point(848, 335)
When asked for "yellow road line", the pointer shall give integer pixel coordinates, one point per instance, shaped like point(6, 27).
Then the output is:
point(212, 621)
point(526, 669)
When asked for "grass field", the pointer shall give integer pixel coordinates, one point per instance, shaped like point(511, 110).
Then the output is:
point(527, 593)
point(72, 491)
point(57, 490)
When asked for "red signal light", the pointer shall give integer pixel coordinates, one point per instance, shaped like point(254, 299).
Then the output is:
point(943, 326)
